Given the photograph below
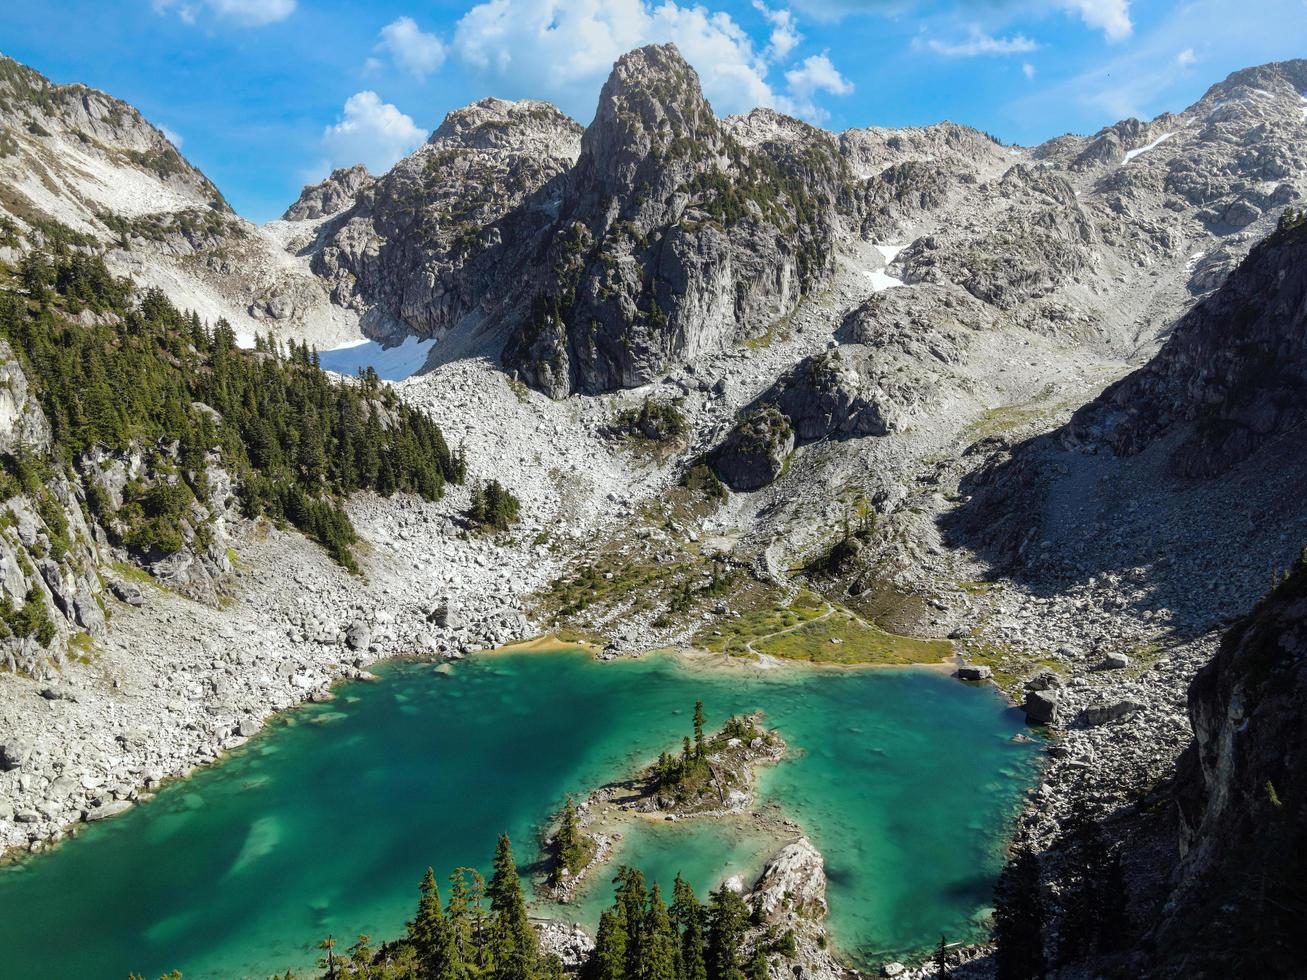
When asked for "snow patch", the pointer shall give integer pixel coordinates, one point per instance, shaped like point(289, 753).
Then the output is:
point(881, 281)
point(890, 252)
point(393, 364)
point(1131, 154)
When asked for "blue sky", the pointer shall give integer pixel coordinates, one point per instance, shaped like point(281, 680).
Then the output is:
point(265, 95)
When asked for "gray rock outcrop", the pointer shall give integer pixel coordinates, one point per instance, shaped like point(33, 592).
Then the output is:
point(327, 197)
point(755, 452)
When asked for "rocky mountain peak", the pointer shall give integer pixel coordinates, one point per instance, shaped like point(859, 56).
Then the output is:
point(516, 127)
point(652, 106)
point(1287, 78)
point(38, 118)
point(329, 196)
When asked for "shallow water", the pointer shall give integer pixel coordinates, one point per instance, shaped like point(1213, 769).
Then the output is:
point(906, 780)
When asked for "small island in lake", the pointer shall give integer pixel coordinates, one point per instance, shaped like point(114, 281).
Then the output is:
point(711, 776)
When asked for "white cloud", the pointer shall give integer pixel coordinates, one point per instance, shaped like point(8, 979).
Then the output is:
point(172, 137)
point(417, 52)
point(562, 50)
point(785, 36)
point(816, 74)
point(247, 13)
point(1112, 17)
point(1186, 58)
point(370, 132)
point(979, 43)
point(1028, 70)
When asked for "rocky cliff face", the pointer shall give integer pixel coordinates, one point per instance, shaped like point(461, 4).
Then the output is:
point(48, 585)
point(1232, 375)
point(327, 197)
point(677, 233)
point(426, 242)
point(1241, 884)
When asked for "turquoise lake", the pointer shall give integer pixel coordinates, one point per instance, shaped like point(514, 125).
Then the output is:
point(906, 780)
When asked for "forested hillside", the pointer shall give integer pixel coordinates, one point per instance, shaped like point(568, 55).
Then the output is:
point(119, 371)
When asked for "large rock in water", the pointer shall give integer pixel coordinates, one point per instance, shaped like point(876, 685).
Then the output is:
point(793, 883)
point(1041, 707)
point(755, 452)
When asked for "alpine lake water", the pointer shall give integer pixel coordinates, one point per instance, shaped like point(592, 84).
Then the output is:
point(906, 780)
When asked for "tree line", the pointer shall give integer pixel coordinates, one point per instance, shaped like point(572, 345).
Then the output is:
point(141, 372)
point(483, 932)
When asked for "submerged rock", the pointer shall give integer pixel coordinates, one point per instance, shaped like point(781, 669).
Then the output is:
point(106, 810)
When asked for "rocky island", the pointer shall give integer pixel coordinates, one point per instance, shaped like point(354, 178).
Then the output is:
point(709, 776)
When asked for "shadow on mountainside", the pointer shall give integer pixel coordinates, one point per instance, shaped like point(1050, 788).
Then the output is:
point(1189, 552)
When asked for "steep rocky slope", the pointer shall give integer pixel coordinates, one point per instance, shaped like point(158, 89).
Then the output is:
point(1231, 377)
point(677, 233)
point(1241, 883)
point(78, 157)
point(421, 246)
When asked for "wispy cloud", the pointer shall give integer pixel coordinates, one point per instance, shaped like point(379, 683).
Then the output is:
point(1148, 76)
point(1112, 17)
point(785, 36)
point(563, 51)
point(977, 43)
point(245, 13)
point(817, 73)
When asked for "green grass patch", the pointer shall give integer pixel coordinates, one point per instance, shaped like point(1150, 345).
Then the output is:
point(842, 638)
point(811, 629)
point(138, 575)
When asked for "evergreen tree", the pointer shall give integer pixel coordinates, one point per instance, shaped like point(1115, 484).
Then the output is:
point(328, 960)
point(609, 957)
point(662, 952)
point(432, 937)
point(464, 916)
point(941, 958)
point(698, 729)
point(631, 898)
point(688, 919)
point(1019, 920)
point(1094, 917)
point(757, 968)
point(514, 948)
point(569, 847)
point(727, 919)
